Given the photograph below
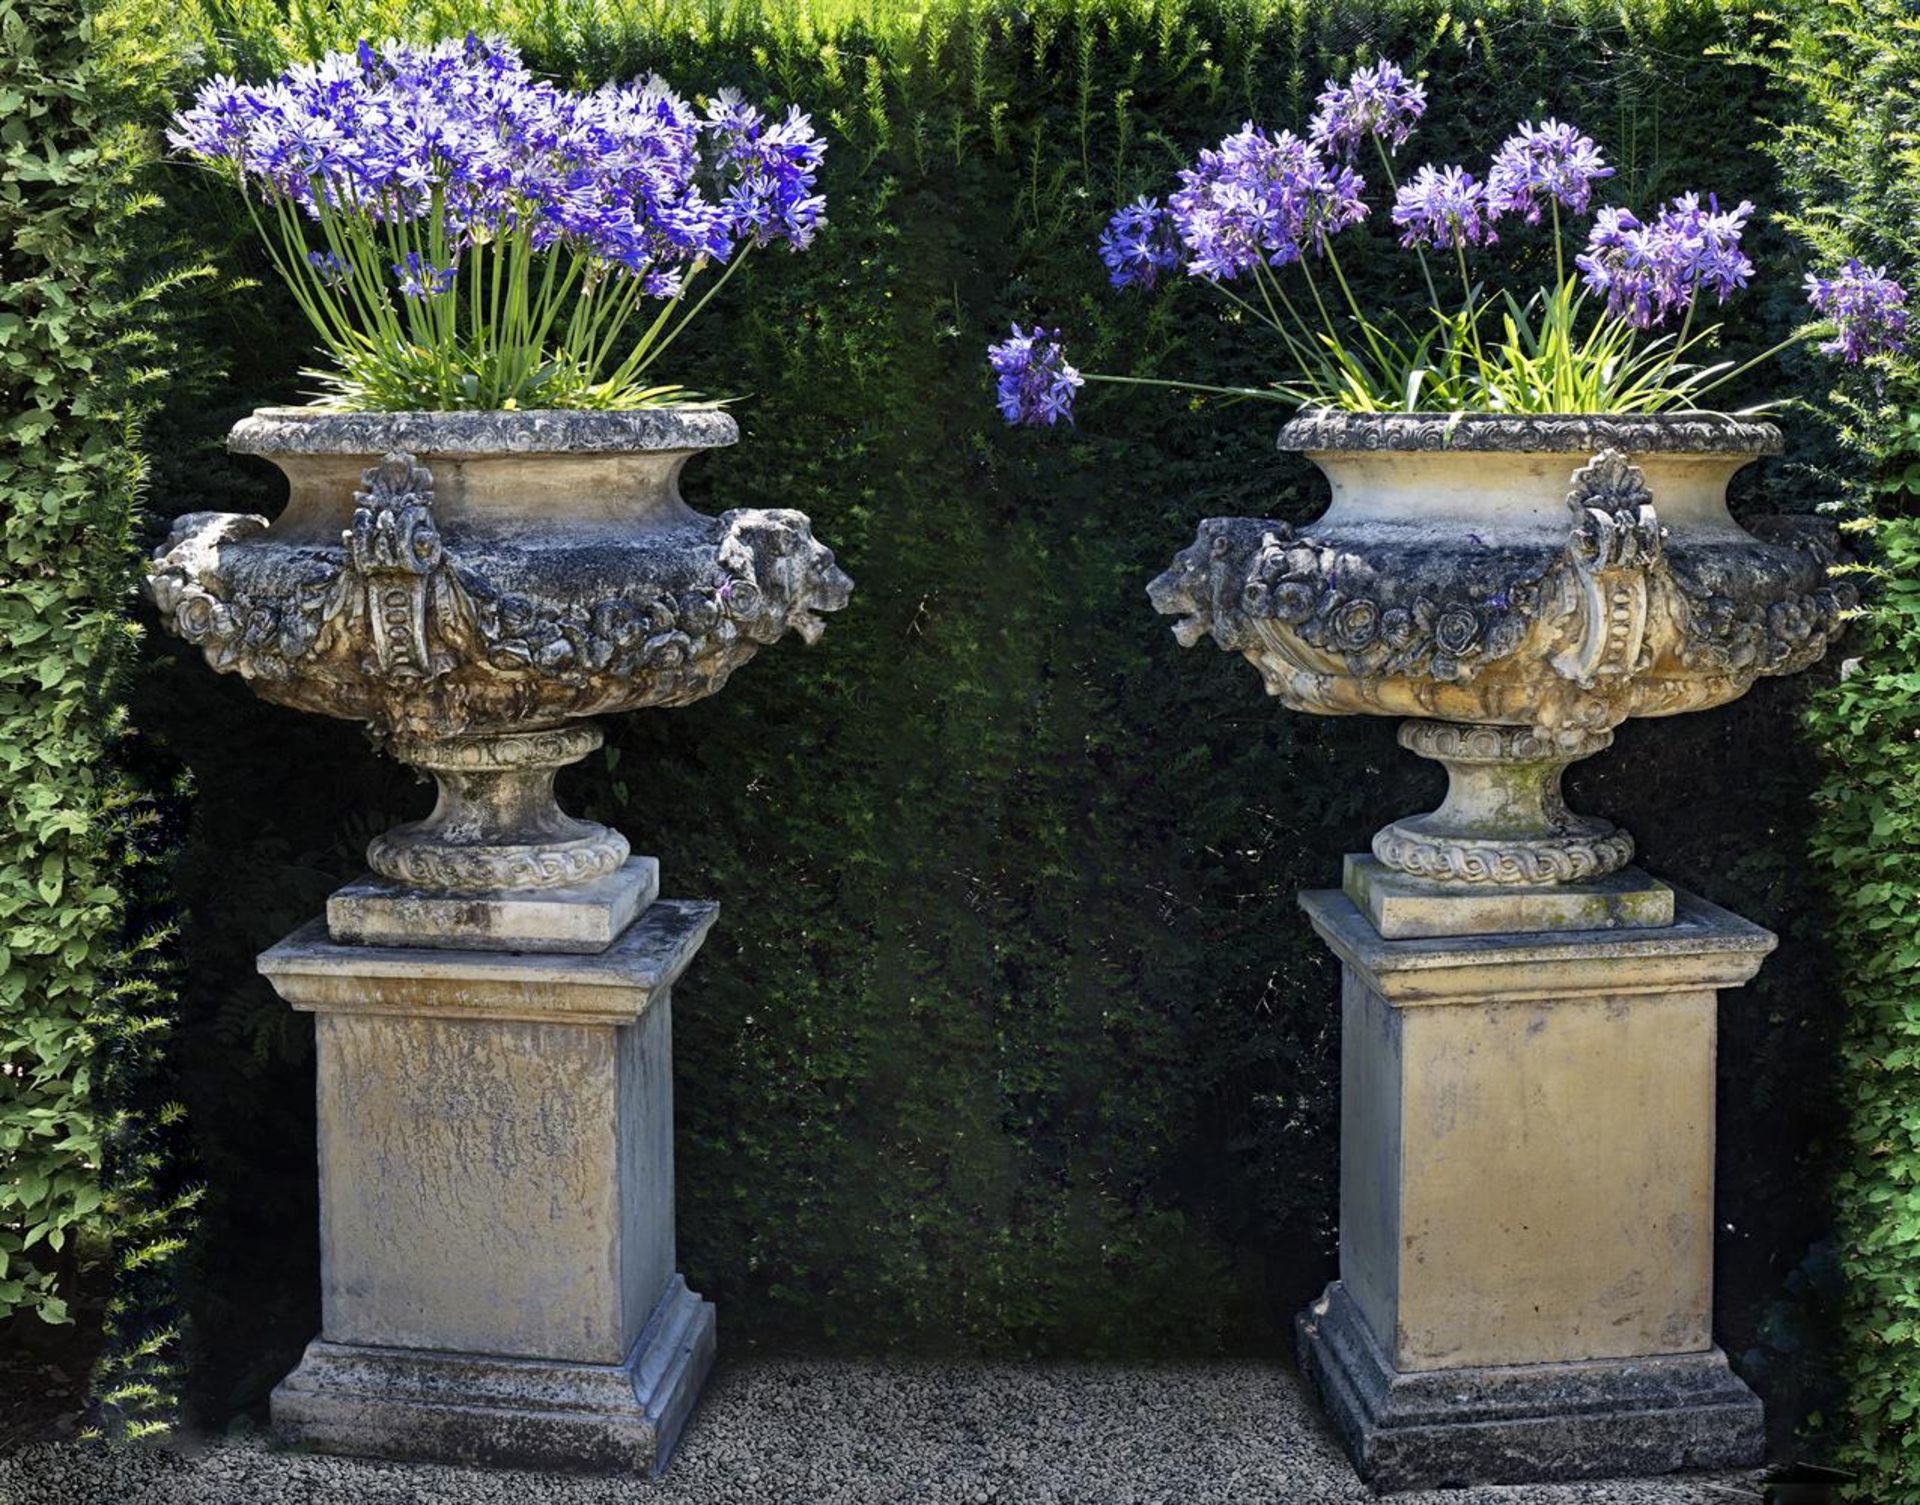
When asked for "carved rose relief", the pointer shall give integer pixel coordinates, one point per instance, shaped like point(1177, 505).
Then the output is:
point(1571, 638)
point(398, 628)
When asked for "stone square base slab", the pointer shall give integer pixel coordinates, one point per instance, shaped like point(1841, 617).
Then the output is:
point(582, 920)
point(468, 1408)
point(1522, 1423)
point(1402, 907)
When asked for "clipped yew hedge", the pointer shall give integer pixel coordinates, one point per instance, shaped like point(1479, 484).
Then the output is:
point(1011, 1039)
point(1852, 157)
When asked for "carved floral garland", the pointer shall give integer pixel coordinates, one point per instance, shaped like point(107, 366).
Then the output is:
point(392, 613)
point(1387, 610)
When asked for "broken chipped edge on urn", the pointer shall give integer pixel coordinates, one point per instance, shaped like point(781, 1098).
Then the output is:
point(520, 432)
point(1325, 432)
point(547, 1414)
point(1522, 1423)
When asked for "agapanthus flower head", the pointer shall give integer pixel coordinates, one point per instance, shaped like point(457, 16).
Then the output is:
point(420, 278)
point(776, 162)
point(1261, 198)
point(1650, 270)
point(328, 269)
point(1333, 200)
point(1380, 103)
point(1542, 164)
point(1443, 207)
point(1036, 385)
point(629, 174)
point(1868, 309)
point(1139, 244)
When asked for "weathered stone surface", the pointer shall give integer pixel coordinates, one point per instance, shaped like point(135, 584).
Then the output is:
point(1516, 1424)
point(505, 1412)
point(465, 583)
point(1403, 908)
point(1526, 1189)
point(1473, 571)
point(615, 986)
point(1706, 947)
point(585, 918)
point(1504, 822)
point(1710, 434)
point(479, 434)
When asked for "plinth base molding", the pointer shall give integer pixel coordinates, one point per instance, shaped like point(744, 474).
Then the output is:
point(426, 1406)
point(1522, 1423)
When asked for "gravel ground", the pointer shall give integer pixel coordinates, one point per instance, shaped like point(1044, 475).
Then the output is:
point(824, 1433)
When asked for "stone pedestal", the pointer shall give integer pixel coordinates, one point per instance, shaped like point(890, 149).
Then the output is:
point(1526, 1203)
point(496, 1202)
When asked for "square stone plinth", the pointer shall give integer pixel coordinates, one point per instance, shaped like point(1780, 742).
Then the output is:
point(1401, 907)
point(581, 919)
point(496, 1185)
point(1526, 1158)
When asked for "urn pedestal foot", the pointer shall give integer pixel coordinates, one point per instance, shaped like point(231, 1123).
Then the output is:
point(1526, 1202)
point(1504, 823)
point(495, 826)
point(499, 1278)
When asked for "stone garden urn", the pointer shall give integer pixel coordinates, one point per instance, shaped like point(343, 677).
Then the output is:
point(1526, 1229)
point(475, 587)
point(1516, 588)
point(493, 1002)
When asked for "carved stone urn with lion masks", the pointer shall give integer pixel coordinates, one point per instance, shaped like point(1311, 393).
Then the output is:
point(1516, 588)
point(475, 586)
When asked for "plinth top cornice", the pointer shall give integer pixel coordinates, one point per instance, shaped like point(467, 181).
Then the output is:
point(615, 986)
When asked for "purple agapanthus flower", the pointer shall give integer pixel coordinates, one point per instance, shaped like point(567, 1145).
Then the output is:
point(1443, 207)
point(776, 163)
point(1380, 103)
point(1261, 198)
point(1868, 309)
point(629, 174)
point(1648, 271)
point(1036, 384)
point(420, 278)
point(1542, 164)
point(1139, 244)
point(328, 268)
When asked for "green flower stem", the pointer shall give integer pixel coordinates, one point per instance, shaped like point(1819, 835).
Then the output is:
point(1467, 309)
point(1261, 394)
point(1300, 354)
point(1393, 188)
point(1759, 360)
point(642, 357)
point(1366, 325)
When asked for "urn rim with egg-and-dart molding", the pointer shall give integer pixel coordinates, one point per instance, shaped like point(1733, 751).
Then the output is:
point(475, 587)
point(1516, 587)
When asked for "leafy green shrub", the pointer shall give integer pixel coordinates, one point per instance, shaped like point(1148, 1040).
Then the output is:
point(1011, 1039)
point(86, 1167)
point(66, 473)
point(1852, 156)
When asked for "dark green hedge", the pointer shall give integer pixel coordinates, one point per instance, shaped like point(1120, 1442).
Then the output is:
point(1011, 1039)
